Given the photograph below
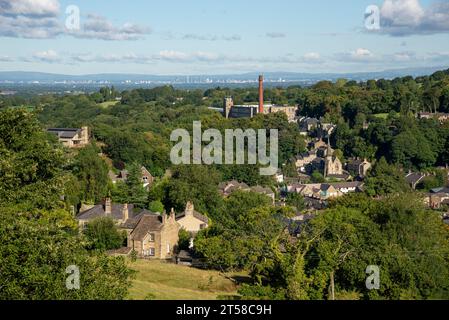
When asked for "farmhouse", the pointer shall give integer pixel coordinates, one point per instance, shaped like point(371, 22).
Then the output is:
point(71, 137)
point(151, 235)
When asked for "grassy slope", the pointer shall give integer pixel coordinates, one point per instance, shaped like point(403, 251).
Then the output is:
point(108, 104)
point(166, 281)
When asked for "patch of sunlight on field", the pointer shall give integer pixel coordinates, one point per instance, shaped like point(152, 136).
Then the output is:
point(107, 104)
point(164, 281)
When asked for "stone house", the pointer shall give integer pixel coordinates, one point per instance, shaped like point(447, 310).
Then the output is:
point(191, 220)
point(349, 187)
point(228, 187)
point(71, 137)
point(437, 198)
point(358, 167)
point(122, 176)
point(151, 235)
point(303, 160)
point(307, 125)
point(117, 212)
point(325, 191)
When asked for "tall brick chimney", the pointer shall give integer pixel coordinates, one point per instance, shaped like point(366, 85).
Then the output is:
point(261, 102)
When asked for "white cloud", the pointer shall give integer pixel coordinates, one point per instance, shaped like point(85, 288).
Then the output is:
point(174, 56)
point(36, 8)
point(406, 17)
point(312, 56)
point(402, 12)
point(49, 56)
point(40, 19)
point(98, 27)
point(209, 37)
point(361, 53)
point(29, 18)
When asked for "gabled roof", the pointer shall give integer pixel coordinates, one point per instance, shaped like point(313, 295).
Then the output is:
point(147, 223)
point(414, 178)
point(230, 186)
point(196, 214)
point(131, 223)
point(190, 210)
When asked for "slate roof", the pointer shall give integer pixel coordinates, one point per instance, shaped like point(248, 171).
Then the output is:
point(259, 189)
point(97, 211)
point(413, 178)
point(131, 223)
point(231, 186)
point(64, 133)
point(347, 185)
point(440, 190)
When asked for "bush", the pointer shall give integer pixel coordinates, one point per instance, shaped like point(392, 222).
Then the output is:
point(104, 235)
point(156, 206)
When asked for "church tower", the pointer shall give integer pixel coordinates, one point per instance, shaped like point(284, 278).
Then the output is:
point(332, 165)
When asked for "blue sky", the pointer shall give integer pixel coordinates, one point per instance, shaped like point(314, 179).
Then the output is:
point(218, 37)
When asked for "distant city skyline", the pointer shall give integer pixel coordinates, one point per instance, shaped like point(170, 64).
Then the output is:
point(210, 37)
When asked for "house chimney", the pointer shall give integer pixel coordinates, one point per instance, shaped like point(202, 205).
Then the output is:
point(125, 213)
point(261, 101)
point(189, 209)
point(173, 214)
point(108, 207)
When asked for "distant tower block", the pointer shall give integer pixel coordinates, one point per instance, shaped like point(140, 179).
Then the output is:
point(261, 101)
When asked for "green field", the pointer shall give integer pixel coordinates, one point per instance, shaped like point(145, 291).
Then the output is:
point(107, 104)
point(164, 281)
point(381, 115)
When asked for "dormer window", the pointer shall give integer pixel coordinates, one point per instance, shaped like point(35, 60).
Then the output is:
point(151, 237)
